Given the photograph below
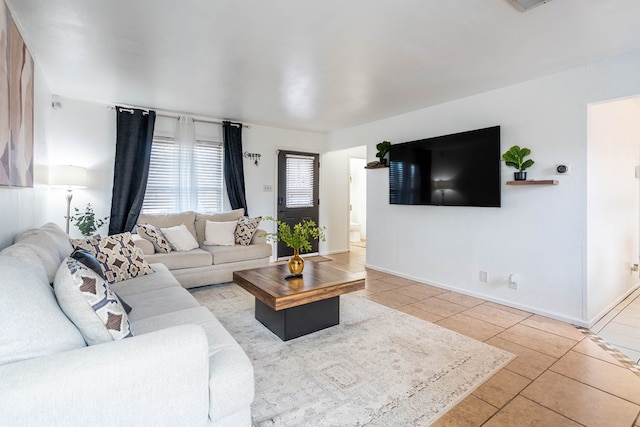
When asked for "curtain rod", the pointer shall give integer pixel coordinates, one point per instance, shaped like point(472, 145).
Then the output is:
point(129, 108)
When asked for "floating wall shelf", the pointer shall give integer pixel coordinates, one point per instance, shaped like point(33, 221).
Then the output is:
point(535, 182)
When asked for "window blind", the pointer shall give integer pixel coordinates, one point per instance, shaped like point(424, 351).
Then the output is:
point(299, 184)
point(163, 184)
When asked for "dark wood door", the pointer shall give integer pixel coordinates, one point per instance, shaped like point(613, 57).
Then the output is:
point(298, 195)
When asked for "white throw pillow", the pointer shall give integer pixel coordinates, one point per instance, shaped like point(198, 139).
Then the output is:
point(180, 238)
point(220, 233)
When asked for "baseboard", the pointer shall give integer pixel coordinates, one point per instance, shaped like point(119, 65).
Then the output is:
point(611, 306)
point(530, 309)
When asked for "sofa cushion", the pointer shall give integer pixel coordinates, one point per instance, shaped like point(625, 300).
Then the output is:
point(231, 381)
point(201, 221)
point(90, 304)
point(161, 301)
point(189, 259)
point(27, 253)
point(160, 279)
point(154, 235)
point(144, 244)
point(49, 243)
point(245, 229)
point(59, 238)
point(118, 255)
point(32, 323)
point(170, 220)
point(220, 233)
point(227, 254)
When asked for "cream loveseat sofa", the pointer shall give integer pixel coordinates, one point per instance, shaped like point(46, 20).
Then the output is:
point(180, 367)
point(205, 265)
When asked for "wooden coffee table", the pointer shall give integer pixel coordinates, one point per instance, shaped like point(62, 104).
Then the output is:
point(295, 307)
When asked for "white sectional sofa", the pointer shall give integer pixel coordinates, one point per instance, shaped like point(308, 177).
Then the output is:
point(180, 368)
point(205, 265)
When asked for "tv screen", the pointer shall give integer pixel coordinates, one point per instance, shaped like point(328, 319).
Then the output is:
point(461, 169)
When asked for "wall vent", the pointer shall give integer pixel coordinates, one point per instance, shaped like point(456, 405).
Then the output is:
point(524, 5)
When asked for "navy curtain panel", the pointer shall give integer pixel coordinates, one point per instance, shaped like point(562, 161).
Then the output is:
point(233, 168)
point(134, 136)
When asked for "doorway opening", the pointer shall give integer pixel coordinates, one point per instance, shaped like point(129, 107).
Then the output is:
point(357, 202)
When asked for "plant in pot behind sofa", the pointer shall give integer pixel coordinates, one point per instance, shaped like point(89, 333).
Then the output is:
point(514, 157)
point(299, 239)
point(87, 222)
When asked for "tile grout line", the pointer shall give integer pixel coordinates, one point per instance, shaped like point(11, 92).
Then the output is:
point(611, 350)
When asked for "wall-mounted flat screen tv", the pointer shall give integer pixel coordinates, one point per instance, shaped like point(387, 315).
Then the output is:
point(461, 169)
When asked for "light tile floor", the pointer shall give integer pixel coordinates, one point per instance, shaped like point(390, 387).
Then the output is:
point(621, 326)
point(561, 377)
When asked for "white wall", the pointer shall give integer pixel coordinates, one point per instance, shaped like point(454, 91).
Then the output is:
point(613, 203)
point(539, 234)
point(82, 133)
point(24, 208)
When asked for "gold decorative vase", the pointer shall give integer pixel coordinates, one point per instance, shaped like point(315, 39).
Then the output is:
point(296, 263)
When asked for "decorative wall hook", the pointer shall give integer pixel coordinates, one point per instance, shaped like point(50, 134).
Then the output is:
point(253, 156)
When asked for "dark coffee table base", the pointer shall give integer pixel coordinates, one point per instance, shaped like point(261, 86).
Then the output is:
point(297, 321)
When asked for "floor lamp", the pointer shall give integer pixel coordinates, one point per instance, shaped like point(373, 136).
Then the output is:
point(69, 177)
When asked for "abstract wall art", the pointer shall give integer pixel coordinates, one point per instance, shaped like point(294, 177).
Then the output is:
point(16, 105)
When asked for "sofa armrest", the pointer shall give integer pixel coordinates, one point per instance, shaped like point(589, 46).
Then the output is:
point(160, 378)
point(144, 244)
point(259, 237)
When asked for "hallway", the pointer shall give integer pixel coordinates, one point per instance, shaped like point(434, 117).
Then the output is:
point(621, 326)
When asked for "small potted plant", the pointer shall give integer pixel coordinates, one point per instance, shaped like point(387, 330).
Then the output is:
point(87, 222)
point(515, 158)
point(383, 148)
point(299, 239)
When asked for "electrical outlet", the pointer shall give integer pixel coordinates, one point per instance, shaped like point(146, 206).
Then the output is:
point(484, 277)
point(513, 284)
point(267, 188)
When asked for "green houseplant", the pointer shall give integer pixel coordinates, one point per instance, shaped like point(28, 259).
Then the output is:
point(383, 148)
point(515, 158)
point(297, 238)
point(87, 222)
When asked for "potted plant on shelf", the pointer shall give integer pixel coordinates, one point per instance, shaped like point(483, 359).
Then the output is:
point(299, 239)
point(515, 158)
point(383, 148)
point(87, 222)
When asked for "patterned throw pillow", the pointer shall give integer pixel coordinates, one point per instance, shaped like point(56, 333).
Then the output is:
point(90, 304)
point(155, 236)
point(245, 229)
point(118, 256)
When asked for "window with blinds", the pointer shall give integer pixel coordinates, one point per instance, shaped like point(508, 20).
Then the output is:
point(165, 193)
point(299, 193)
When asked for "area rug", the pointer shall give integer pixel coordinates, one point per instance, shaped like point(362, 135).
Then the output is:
point(378, 367)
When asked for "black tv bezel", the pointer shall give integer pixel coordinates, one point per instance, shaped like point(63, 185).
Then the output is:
point(439, 139)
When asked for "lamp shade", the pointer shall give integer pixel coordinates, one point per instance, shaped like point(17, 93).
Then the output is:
point(443, 184)
point(68, 176)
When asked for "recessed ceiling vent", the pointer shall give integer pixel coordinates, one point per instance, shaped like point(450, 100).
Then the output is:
point(524, 5)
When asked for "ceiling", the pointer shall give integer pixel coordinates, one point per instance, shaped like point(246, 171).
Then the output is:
point(308, 64)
